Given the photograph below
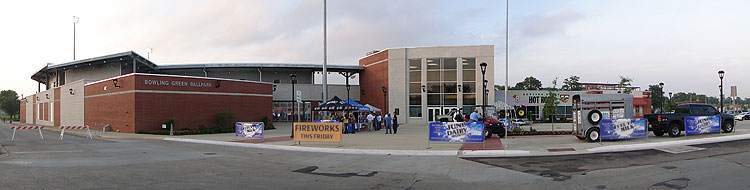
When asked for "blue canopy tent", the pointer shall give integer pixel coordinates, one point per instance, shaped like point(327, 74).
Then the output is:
point(360, 107)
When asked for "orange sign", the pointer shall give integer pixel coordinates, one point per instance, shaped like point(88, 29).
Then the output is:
point(322, 132)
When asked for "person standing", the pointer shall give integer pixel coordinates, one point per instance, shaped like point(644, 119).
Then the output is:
point(474, 117)
point(388, 122)
point(395, 123)
point(370, 124)
point(353, 123)
point(379, 122)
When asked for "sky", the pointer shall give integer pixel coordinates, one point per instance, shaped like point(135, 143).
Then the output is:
point(682, 43)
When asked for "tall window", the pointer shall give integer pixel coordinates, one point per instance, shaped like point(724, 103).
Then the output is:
point(469, 87)
point(442, 82)
point(415, 88)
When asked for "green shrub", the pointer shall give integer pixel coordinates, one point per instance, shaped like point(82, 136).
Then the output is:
point(225, 119)
point(169, 122)
point(267, 125)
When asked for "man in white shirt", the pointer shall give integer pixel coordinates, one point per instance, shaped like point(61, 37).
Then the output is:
point(370, 126)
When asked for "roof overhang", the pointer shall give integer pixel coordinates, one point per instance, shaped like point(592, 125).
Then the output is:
point(40, 75)
point(294, 66)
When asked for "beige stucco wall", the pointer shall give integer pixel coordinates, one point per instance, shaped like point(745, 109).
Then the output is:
point(30, 110)
point(72, 105)
point(398, 95)
point(46, 96)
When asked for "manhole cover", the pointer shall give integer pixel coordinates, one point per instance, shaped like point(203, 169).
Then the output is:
point(679, 149)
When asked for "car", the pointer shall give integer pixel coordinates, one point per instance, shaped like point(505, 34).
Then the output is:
point(521, 122)
point(673, 124)
point(742, 116)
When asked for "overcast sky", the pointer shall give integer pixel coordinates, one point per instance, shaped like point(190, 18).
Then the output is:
point(681, 43)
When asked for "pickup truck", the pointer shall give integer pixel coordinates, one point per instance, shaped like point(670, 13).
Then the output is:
point(674, 123)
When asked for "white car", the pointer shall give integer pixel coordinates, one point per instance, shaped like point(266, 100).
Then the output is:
point(742, 116)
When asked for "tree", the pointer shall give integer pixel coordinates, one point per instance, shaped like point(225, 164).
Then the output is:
point(529, 83)
point(624, 84)
point(550, 103)
point(571, 84)
point(657, 97)
point(9, 102)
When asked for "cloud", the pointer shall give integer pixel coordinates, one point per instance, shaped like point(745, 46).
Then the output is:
point(546, 24)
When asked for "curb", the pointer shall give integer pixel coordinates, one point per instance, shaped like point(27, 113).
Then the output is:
point(644, 146)
point(325, 150)
point(105, 136)
point(472, 153)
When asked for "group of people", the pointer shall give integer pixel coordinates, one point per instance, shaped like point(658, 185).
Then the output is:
point(370, 121)
point(375, 123)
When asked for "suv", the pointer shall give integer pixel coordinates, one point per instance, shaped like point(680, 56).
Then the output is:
point(674, 123)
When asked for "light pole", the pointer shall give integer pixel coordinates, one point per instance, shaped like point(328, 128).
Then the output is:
point(75, 20)
point(721, 89)
point(347, 75)
point(661, 96)
point(148, 53)
point(385, 95)
point(483, 66)
point(293, 81)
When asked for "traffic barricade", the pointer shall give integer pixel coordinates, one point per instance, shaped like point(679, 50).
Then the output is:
point(37, 127)
point(76, 127)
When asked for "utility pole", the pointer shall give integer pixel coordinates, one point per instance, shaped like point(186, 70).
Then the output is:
point(506, 58)
point(325, 56)
point(75, 20)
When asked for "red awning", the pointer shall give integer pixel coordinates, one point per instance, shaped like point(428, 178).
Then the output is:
point(640, 102)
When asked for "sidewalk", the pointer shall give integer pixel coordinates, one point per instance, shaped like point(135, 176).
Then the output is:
point(412, 140)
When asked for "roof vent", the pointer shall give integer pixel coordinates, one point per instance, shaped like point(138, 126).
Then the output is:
point(372, 52)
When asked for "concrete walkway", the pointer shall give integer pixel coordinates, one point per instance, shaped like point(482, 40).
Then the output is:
point(412, 139)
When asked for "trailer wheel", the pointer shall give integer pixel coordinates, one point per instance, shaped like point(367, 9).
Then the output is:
point(593, 135)
point(595, 117)
point(674, 130)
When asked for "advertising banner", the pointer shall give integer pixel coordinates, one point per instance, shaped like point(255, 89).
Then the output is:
point(253, 130)
point(321, 132)
point(327, 121)
point(623, 128)
point(457, 131)
point(702, 124)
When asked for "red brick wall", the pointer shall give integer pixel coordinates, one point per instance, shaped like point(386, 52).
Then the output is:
point(373, 78)
point(190, 106)
point(22, 113)
point(116, 110)
point(56, 111)
point(45, 106)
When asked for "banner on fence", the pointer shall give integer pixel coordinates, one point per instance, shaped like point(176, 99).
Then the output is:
point(322, 132)
point(623, 128)
point(702, 124)
point(327, 121)
point(457, 131)
point(253, 130)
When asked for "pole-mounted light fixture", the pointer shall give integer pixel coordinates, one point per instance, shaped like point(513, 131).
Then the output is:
point(483, 66)
point(424, 88)
point(721, 74)
point(70, 90)
point(274, 87)
point(459, 88)
point(115, 82)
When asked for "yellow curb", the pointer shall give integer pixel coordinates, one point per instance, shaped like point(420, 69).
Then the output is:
point(106, 136)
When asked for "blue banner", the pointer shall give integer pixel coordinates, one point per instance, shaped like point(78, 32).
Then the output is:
point(702, 124)
point(253, 130)
point(457, 131)
point(327, 121)
point(623, 128)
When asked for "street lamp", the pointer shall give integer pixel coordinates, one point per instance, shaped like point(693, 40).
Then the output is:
point(385, 94)
point(661, 89)
point(721, 88)
point(483, 66)
point(293, 81)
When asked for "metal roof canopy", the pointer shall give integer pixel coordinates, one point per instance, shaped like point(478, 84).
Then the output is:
point(40, 76)
point(312, 67)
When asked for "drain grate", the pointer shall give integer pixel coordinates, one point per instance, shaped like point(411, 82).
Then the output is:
point(560, 149)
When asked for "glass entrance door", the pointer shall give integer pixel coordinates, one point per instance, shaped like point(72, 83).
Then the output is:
point(433, 112)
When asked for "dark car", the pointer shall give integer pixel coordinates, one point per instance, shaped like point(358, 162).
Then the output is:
point(674, 123)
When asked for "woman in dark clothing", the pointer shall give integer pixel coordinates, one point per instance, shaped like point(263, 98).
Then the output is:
point(395, 124)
